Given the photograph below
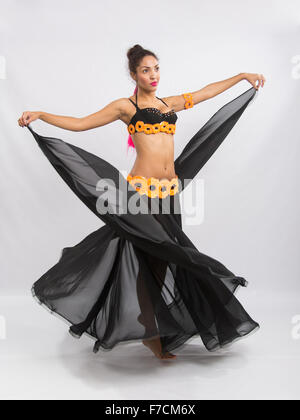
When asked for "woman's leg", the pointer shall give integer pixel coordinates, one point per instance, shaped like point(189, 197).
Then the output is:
point(147, 316)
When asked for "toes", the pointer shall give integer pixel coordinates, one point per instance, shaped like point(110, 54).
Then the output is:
point(170, 355)
point(166, 355)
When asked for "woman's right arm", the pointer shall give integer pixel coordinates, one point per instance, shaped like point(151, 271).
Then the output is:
point(111, 112)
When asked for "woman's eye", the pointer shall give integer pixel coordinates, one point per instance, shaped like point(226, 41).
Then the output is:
point(157, 68)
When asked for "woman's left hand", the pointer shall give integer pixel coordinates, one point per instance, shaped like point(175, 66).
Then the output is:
point(253, 78)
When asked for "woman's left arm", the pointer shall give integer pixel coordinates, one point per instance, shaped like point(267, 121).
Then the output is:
point(178, 102)
point(215, 88)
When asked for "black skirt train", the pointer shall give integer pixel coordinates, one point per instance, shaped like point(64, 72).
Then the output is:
point(140, 276)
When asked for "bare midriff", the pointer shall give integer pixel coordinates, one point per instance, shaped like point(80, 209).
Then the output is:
point(155, 155)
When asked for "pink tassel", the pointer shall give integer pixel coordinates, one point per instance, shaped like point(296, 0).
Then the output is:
point(129, 141)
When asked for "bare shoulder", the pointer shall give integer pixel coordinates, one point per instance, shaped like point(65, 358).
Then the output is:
point(119, 105)
point(124, 105)
point(126, 109)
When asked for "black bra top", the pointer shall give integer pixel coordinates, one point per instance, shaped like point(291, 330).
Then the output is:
point(152, 115)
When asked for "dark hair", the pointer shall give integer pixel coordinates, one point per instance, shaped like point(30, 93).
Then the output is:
point(135, 56)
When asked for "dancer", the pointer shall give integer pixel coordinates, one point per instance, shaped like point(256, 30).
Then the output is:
point(139, 277)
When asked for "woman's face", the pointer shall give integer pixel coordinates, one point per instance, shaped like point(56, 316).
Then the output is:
point(148, 72)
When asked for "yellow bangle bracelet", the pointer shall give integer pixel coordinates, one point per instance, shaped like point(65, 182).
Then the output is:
point(188, 100)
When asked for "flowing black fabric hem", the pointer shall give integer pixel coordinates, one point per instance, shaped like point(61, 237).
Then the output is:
point(174, 345)
point(48, 308)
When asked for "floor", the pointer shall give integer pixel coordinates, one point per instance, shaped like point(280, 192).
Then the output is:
point(39, 359)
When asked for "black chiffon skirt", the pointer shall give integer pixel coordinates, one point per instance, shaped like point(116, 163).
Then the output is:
point(139, 276)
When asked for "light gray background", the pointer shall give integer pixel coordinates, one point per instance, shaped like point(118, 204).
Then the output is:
point(69, 58)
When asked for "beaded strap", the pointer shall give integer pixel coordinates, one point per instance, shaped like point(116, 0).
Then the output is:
point(162, 188)
point(188, 100)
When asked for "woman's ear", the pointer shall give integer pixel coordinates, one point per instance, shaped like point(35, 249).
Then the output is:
point(133, 75)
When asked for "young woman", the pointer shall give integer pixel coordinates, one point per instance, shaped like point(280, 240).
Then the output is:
point(139, 277)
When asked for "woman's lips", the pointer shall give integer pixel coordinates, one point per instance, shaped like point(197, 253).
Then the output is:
point(153, 83)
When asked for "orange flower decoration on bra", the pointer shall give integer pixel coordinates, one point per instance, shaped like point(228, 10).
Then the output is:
point(156, 128)
point(131, 128)
point(139, 126)
point(188, 100)
point(170, 128)
point(164, 126)
point(148, 129)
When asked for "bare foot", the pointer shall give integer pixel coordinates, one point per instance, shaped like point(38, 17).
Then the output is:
point(154, 345)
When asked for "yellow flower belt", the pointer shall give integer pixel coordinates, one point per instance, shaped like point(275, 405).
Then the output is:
point(164, 127)
point(162, 188)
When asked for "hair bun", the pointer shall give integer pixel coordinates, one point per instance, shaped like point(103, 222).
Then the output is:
point(135, 49)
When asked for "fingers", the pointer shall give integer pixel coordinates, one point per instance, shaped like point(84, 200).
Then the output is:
point(261, 81)
point(21, 122)
point(25, 119)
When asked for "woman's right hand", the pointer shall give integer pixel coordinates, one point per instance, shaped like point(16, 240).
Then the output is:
point(27, 117)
